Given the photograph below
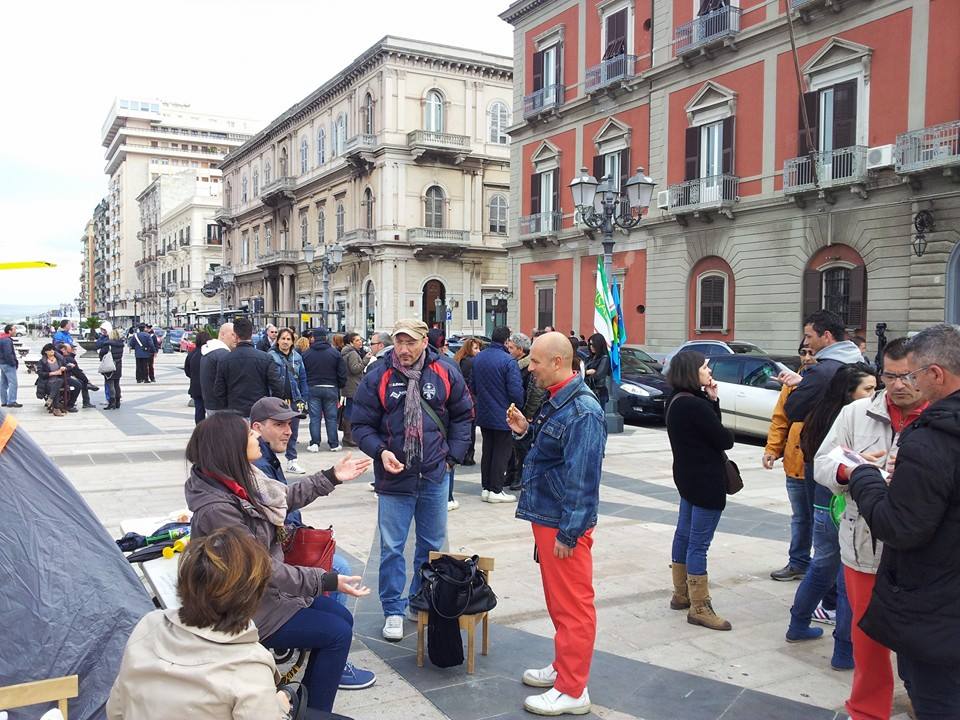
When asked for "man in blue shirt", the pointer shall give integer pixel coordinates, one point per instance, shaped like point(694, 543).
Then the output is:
point(63, 335)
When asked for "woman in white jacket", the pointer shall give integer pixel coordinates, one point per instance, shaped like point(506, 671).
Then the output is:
point(871, 427)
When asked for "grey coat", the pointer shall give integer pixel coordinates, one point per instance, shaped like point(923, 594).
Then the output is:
point(356, 365)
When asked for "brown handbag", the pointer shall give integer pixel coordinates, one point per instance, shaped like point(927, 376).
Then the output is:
point(310, 547)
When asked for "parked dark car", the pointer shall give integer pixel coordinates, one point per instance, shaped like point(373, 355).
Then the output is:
point(638, 352)
point(643, 392)
point(455, 342)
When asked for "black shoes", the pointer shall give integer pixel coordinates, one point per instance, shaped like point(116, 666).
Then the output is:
point(788, 573)
point(88, 405)
point(13, 405)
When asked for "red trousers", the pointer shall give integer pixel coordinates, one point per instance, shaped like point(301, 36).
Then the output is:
point(871, 697)
point(568, 590)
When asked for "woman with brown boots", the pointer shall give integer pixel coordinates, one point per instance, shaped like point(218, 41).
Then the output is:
point(698, 441)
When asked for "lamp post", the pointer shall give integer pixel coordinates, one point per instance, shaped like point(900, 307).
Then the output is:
point(136, 296)
point(217, 283)
point(602, 207)
point(169, 292)
point(324, 266)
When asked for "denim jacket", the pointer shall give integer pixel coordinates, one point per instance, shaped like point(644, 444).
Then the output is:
point(291, 371)
point(561, 474)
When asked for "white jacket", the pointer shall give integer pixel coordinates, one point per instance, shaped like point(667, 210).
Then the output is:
point(863, 426)
point(172, 670)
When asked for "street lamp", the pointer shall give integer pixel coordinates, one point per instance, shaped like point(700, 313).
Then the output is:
point(601, 207)
point(136, 296)
point(169, 291)
point(217, 283)
point(324, 266)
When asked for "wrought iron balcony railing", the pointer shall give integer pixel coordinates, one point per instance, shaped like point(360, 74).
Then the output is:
point(932, 147)
point(615, 69)
point(706, 30)
point(833, 168)
point(708, 193)
point(544, 99)
point(543, 223)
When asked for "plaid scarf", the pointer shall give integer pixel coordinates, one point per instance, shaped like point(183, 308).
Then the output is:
point(412, 412)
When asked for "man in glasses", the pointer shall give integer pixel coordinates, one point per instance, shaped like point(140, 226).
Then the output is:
point(870, 427)
point(914, 609)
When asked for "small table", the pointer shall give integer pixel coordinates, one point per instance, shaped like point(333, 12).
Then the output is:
point(160, 574)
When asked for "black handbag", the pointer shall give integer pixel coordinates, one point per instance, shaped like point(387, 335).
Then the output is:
point(451, 587)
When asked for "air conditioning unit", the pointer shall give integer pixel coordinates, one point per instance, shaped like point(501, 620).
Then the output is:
point(663, 199)
point(880, 157)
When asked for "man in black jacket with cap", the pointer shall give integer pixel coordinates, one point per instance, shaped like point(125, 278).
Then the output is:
point(915, 607)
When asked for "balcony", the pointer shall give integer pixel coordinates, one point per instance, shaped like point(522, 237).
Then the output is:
point(358, 239)
point(360, 143)
point(184, 284)
point(279, 257)
point(702, 195)
point(278, 192)
point(834, 168)
point(543, 101)
point(928, 149)
point(224, 216)
point(541, 226)
point(707, 31)
point(611, 72)
point(427, 142)
point(439, 242)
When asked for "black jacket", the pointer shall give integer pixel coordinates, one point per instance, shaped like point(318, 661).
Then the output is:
point(191, 367)
point(324, 365)
point(8, 356)
point(915, 608)
point(209, 365)
point(698, 439)
point(116, 348)
point(817, 378)
point(244, 376)
point(598, 381)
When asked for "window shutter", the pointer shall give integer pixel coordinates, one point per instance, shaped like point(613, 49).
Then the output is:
point(812, 102)
point(812, 292)
point(598, 166)
point(624, 168)
point(726, 160)
point(538, 71)
point(691, 169)
point(857, 306)
point(616, 34)
point(845, 115)
point(556, 190)
point(557, 74)
point(535, 193)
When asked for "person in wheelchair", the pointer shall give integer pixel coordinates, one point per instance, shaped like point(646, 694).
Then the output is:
point(204, 661)
point(78, 378)
point(225, 489)
point(54, 373)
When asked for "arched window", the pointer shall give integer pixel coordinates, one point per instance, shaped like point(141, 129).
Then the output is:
point(499, 122)
point(341, 217)
point(370, 307)
point(303, 228)
point(368, 117)
point(283, 162)
point(321, 146)
point(433, 115)
point(256, 183)
point(368, 209)
point(498, 214)
point(304, 157)
point(340, 134)
point(836, 279)
point(321, 226)
point(243, 189)
point(268, 238)
point(433, 207)
point(711, 293)
point(712, 305)
point(266, 173)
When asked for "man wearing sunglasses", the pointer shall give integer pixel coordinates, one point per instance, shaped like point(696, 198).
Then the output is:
point(914, 609)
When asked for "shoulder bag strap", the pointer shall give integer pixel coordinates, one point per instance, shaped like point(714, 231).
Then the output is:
point(433, 416)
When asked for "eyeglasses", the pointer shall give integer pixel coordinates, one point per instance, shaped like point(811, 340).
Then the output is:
point(911, 378)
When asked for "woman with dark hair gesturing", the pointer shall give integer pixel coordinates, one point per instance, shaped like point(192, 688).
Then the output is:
point(224, 489)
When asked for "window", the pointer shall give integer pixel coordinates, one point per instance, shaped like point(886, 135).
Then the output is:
point(340, 134)
point(256, 242)
point(433, 116)
point(546, 73)
point(499, 122)
point(304, 157)
point(266, 173)
point(283, 163)
point(341, 216)
point(615, 30)
point(712, 303)
point(321, 146)
point(498, 214)
point(244, 248)
point(757, 372)
point(243, 189)
point(368, 208)
point(433, 208)
point(321, 226)
point(368, 116)
point(267, 238)
point(545, 307)
point(256, 183)
point(832, 114)
point(836, 292)
point(545, 199)
point(303, 228)
point(838, 286)
point(725, 369)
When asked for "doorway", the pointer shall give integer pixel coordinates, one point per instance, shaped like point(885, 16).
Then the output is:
point(434, 313)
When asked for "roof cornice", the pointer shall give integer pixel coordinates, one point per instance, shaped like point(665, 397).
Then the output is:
point(520, 8)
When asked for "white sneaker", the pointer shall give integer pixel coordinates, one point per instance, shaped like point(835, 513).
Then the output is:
point(544, 677)
point(393, 628)
point(313, 448)
point(501, 497)
point(452, 505)
point(485, 495)
point(294, 469)
point(554, 702)
point(338, 448)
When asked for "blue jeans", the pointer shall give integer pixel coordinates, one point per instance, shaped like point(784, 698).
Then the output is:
point(450, 475)
point(800, 492)
point(323, 403)
point(934, 690)
point(292, 442)
point(428, 509)
point(342, 567)
point(821, 575)
point(842, 645)
point(695, 528)
point(8, 384)
point(326, 627)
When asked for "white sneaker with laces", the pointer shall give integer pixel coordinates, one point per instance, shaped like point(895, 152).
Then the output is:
point(294, 469)
point(452, 505)
point(554, 702)
point(544, 677)
point(393, 628)
point(501, 497)
point(822, 615)
point(313, 448)
point(485, 495)
point(338, 448)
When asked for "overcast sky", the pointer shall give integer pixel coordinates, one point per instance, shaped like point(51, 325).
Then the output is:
point(64, 62)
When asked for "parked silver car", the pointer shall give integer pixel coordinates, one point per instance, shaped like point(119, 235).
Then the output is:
point(749, 390)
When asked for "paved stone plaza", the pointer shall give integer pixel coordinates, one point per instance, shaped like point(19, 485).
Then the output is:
point(650, 663)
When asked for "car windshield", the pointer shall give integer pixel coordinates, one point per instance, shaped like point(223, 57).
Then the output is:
point(631, 364)
point(636, 353)
point(745, 348)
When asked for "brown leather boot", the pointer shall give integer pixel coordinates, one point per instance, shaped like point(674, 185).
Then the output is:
point(681, 598)
point(701, 610)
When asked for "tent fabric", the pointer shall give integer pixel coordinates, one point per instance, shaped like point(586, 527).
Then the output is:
point(68, 597)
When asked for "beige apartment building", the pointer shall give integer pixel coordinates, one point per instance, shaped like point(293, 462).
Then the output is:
point(145, 140)
point(402, 159)
point(85, 300)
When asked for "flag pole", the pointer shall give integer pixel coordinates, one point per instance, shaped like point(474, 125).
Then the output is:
point(614, 419)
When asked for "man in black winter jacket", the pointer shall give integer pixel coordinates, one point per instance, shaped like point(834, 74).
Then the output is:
point(915, 607)
point(246, 374)
point(326, 375)
point(210, 356)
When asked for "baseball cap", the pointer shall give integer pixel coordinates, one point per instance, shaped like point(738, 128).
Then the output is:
point(417, 329)
point(271, 408)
